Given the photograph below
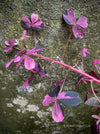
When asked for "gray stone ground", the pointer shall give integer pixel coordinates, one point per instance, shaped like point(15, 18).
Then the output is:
point(22, 112)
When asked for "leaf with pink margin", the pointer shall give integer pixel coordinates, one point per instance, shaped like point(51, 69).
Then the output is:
point(69, 17)
point(17, 59)
point(82, 21)
point(34, 18)
point(55, 92)
point(25, 22)
point(84, 51)
point(21, 59)
point(47, 100)
point(8, 50)
point(69, 98)
point(29, 63)
point(20, 52)
point(78, 31)
point(26, 83)
point(58, 82)
point(34, 50)
point(38, 26)
point(96, 117)
point(96, 61)
point(8, 64)
point(57, 112)
point(7, 43)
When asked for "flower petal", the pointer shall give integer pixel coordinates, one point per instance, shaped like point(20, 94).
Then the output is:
point(78, 31)
point(82, 21)
point(57, 112)
point(29, 63)
point(47, 100)
point(34, 18)
point(38, 26)
point(69, 17)
point(25, 22)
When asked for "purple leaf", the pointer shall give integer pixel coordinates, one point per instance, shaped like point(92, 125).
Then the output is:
point(92, 101)
point(47, 100)
point(78, 31)
point(82, 21)
point(29, 63)
point(84, 51)
point(96, 61)
point(42, 73)
point(69, 98)
point(8, 50)
point(21, 59)
point(20, 52)
point(55, 92)
point(69, 17)
point(57, 83)
point(38, 26)
point(8, 64)
point(24, 35)
point(10, 46)
point(34, 18)
point(57, 113)
point(25, 22)
point(26, 83)
point(86, 98)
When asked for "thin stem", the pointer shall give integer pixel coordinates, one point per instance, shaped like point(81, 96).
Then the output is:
point(64, 81)
point(93, 91)
point(64, 53)
point(35, 38)
point(97, 69)
point(67, 66)
point(66, 46)
point(82, 68)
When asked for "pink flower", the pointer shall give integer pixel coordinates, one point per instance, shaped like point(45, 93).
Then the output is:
point(10, 45)
point(84, 51)
point(37, 26)
point(69, 17)
point(24, 35)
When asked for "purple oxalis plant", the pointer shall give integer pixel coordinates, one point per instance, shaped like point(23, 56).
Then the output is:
point(34, 23)
point(69, 17)
point(10, 45)
point(68, 98)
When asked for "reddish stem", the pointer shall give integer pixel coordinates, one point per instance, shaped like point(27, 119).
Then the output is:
point(67, 66)
point(35, 38)
point(64, 52)
point(66, 46)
